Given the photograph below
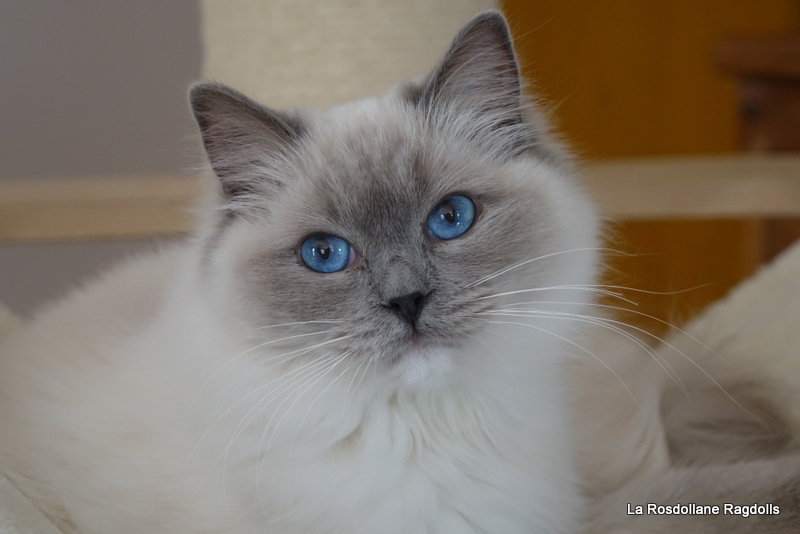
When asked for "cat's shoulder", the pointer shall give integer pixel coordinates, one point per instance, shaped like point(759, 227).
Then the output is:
point(115, 303)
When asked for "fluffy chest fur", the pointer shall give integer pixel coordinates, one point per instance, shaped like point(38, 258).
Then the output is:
point(195, 446)
point(334, 447)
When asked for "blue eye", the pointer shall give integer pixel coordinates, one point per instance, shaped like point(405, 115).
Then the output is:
point(326, 253)
point(451, 218)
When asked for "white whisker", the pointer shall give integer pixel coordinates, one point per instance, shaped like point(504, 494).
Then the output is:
point(320, 374)
point(591, 289)
point(695, 364)
point(259, 406)
point(590, 353)
point(295, 371)
point(525, 262)
point(349, 386)
point(636, 312)
point(295, 323)
point(598, 321)
point(344, 356)
point(496, 354)
point(228, 362)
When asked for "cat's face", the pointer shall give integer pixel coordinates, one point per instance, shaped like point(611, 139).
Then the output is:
point(376, 228)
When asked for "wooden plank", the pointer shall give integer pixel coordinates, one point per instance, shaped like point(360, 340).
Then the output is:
point(697, 187)
point(760, 56)
point(638, 189)
point(96, 207)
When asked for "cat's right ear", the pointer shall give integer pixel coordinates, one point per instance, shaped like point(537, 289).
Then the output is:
point(239, 135)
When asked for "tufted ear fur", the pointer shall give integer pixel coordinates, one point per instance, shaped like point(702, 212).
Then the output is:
point(240, 136)
point(478, 79)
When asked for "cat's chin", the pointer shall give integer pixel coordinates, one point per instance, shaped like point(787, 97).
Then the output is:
point(424, 365)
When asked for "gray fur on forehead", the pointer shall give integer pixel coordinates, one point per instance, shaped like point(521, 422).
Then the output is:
point(377, 162)
point(386, 129)
point(379, 148)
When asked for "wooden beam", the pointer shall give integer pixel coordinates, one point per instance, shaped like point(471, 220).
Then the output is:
point(96, 207)
point(643, 189)
point(760, 55)
point(708, 187)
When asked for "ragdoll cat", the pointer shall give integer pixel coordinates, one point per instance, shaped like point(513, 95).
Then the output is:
point(323, 354)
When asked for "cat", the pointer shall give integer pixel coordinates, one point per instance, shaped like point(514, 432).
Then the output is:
point(325, 353)
point(346, 343)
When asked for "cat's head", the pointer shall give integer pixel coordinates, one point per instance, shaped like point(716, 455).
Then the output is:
point(382, 229)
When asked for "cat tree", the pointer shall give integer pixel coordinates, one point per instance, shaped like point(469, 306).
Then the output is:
point(315, 54)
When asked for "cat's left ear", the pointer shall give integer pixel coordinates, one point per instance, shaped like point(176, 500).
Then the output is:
point(478, 77)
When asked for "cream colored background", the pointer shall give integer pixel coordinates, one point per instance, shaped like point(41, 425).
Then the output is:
point(310, 53)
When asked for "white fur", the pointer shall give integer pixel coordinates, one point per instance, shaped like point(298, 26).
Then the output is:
point(132, 407)
point(121, 443)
